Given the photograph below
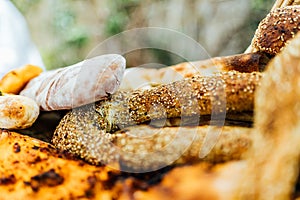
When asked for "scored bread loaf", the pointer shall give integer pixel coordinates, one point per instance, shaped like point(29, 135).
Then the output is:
point(85, 82)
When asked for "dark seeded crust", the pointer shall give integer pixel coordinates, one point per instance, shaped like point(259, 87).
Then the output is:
point(276, 29)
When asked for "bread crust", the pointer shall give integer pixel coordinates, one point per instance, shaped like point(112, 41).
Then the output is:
point(14, 81)
point(137, 77)
point(32, 169)
point(273, 160)
point(277, 29)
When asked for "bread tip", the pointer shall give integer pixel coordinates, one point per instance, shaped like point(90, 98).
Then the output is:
point(277, 29)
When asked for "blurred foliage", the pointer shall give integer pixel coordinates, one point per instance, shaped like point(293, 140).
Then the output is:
point(259, 10)
point(73, 39)
point(70, 37)
point(119, 15)
point(25, 5)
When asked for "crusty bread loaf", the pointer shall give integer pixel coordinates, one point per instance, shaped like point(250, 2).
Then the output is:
point(76, 85)
point(274, 157)
point(31, 169)
point(17, 112)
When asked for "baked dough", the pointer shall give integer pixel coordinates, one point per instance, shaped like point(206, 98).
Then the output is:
point(85, 82)
point(17, 112)
point(14, 81)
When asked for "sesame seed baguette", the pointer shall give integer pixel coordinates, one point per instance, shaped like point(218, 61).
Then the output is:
point(229, 92)
point(143, 148)
point(190, 97)
point(85, 131)
point(138, 77)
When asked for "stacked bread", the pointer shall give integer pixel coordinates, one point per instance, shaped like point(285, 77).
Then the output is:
point(187, 114)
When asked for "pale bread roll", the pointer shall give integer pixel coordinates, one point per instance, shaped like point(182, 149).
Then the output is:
point(83, 83)
point(17, 112)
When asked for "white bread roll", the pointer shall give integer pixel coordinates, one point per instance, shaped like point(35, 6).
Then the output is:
point(17, 112)
point(83, 83)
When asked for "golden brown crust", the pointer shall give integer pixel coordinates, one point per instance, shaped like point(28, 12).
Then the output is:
point(135, 78)
point(31, 169)
point(15, 80)
point(199, 181)
point(277, 29)
point(274, 157)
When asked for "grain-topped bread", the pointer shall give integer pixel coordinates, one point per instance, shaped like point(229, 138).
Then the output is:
point(277, 29)
point(139, 77)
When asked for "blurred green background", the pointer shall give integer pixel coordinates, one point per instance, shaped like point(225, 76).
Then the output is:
point(65, 31)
